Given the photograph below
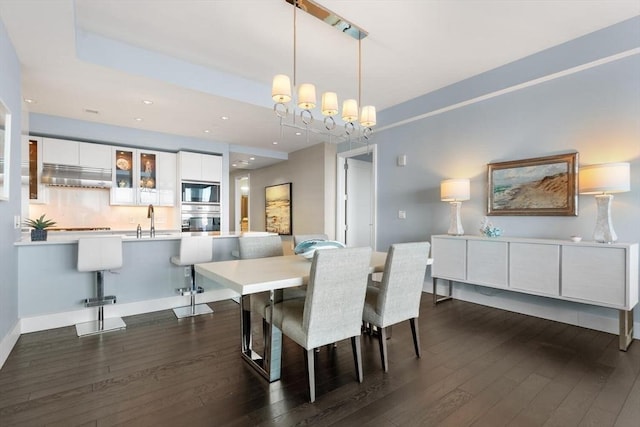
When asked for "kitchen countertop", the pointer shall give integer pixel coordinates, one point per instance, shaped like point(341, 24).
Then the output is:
point(71, 237)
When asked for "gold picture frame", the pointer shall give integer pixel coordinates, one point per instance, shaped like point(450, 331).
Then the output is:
point(537, 186)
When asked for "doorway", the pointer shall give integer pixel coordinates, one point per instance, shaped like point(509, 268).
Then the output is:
point(242, 187)
point(356, 197)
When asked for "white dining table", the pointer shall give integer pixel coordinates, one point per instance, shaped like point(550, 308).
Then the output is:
point(272, 274)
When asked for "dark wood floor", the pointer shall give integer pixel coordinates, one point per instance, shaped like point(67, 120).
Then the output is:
point(480, 366)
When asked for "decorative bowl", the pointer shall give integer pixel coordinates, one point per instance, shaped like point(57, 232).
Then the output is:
point(307, 248)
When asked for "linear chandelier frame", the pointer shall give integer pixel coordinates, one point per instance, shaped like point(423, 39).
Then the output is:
point(306, 99)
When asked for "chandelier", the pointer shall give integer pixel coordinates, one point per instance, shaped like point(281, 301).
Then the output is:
point(306, 92)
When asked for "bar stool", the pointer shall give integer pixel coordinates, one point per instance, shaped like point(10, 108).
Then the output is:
point(193, 250)
point(98, 254)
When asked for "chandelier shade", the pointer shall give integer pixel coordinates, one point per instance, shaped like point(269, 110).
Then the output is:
point(350, 110)
point(329, 104)
point(307, 96)
point(281, 89)
point(368, 116)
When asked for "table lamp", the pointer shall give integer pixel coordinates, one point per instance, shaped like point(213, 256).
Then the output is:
point(602, 180)
point(455, 191)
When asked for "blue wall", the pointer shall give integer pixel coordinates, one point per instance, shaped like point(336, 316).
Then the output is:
point(10, 95)
point(594, 111)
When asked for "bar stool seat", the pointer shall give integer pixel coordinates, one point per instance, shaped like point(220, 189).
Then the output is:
point(193, 250)
point(98, 254)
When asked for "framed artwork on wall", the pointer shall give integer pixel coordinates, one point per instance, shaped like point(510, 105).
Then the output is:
point(538, 186)
point(278, 209)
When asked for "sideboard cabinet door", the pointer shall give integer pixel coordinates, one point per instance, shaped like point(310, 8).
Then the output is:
point(487, 262)
point(451, 256)
point(535, 268)
point(596, 274)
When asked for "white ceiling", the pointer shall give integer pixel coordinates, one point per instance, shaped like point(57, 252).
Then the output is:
point(199, 60)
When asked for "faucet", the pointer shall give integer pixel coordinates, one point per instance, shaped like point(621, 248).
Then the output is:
point(150, 214)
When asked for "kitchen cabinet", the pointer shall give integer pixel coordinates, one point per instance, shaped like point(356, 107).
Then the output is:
point(143, 177)
point(60, 152)
point(585, 272)
point(32, 169)
point(75, 153)
point(200, 167)
point(94, 155)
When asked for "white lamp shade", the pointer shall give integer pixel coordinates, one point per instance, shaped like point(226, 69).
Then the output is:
point(604, 178)
point(455, 190)
point(281, 89)
point(350, 110)
point(368, 116)
point(329, 104)
point(307, 96)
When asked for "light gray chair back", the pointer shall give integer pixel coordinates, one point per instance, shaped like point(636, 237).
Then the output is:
point(335, 295)
point(250, 247)
point(402, 282)
point(299, 238)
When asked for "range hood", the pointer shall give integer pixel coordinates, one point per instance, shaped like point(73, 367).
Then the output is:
point(75, 176)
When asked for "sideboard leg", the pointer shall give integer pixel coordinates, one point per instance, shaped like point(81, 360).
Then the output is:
point(626, 329)
point(436, 297)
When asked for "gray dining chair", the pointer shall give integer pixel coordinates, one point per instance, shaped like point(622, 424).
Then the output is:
point(250, 247)
point(332, 309)
point(397, 297)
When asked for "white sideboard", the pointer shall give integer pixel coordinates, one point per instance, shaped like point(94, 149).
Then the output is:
point(600, 274)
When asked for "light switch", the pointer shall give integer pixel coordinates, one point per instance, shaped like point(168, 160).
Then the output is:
point(402, 214)
point(402, 160)
point(16, 221)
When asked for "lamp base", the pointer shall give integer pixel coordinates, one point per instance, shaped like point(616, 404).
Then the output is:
point(455, 224)
point(604, 232)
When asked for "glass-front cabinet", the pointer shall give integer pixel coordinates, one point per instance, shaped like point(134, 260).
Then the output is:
point(143, 177)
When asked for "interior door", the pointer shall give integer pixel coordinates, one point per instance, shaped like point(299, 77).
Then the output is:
point(358, 203)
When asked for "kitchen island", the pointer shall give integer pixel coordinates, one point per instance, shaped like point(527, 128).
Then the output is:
point(52, 291)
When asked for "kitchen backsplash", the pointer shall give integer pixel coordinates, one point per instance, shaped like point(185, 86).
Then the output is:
point(89, 207)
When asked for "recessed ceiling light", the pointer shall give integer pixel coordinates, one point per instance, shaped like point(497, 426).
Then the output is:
point(29, 101)
point(275, 142)
point(252, 158)
point(298, 133)
point(147, 102)
point(234, 165)
point(207, 131)
point(138, 119)
point(224, 118)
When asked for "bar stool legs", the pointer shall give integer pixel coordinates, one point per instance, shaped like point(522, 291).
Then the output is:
point(192, 309)
point(101, 325)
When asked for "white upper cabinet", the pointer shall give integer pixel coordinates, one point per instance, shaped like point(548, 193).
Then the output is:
point(200, 167)
point(74, 153)
point(94, 155)
point(60, 152)
point(143, 177)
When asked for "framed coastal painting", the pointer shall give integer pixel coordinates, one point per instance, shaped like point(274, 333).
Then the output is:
point(278, 208)
point(537, 186)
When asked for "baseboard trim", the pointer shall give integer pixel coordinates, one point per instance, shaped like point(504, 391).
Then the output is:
point(8, 342)
point(59, 320)
point(572, 313)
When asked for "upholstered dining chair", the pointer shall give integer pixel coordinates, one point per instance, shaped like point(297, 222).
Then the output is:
point(261, 246)
point(332, 309)
point(397, 298)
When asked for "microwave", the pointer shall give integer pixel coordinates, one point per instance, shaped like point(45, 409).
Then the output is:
point(200, 192)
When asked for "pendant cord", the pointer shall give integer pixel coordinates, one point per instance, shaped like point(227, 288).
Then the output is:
point(295, 32)
point(359, 73)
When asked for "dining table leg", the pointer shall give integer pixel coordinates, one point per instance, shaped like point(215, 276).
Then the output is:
point(269, 363)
